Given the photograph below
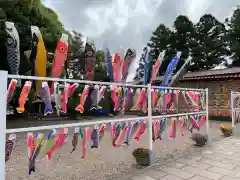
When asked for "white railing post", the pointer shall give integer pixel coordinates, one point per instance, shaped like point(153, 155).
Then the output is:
point(150, 130)
point(3, 109)
point(207, 116)
point(232, 109)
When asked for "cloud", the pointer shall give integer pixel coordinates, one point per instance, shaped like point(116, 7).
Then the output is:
point(124, 23)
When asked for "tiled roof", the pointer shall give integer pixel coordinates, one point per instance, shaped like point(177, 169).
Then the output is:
point(201, 74)
point(213, 72)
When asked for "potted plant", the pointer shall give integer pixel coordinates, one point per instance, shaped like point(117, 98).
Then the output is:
point(226, 130)
point(200, 139)
point(142, 156)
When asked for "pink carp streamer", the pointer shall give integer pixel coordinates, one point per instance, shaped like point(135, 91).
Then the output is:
point(157, 126)
point(23, 96)
point(11, 89)
point(30, 145)
point(174, 98)
point(141, 99)
point(194, 124)
point(59, 59)
point(117, 64)
point(101, 131)
point(114, 97)
point(86, 137)
point(59, 141)
point(203, 121)
point(173, 129)
point(156, 129)
point(112, 129)
point(180, 126)
point(154, 98)
point(194, 98)
point(83, 98)
point(117, 132)
point(156, 66)
point(119, 141)
point(72, 89)
point(65, 98)
point(168, 100)
point(140, 131)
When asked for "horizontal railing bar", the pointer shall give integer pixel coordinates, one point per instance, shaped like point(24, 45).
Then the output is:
point(178, 88)
point(88, 123)
point(178, 115)
point(235, 109)
point(96, 82)
point(235, 92)
point(73, 81)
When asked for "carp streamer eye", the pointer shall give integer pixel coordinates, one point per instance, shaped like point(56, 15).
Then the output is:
point(62, 50)
point(10, 40)
point(89, 53)
point(129, 53)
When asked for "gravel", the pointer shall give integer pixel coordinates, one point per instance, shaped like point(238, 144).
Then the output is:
point(106, 162)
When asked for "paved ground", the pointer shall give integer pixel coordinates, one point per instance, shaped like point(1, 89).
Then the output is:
point(220, 161)
point(105, 163)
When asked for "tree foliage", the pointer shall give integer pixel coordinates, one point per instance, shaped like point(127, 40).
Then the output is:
point(208, 48)
point(25, 13)
point(203, 41)
point(33, 12)
point(208, 42)
point(100, 68)
point(233, 36)
point(75, 62)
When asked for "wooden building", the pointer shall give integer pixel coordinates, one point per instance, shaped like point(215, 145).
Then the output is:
point(219, 83)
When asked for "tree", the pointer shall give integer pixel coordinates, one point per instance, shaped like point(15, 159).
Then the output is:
point(204, 41)
point(75, 61)
point(2, 15)
point(172, 41)
point(208, 47)
point(233, 36)
point(160, 41)
point(100, 68)
point(33, 12)
point(180, 40)
point(25, 13)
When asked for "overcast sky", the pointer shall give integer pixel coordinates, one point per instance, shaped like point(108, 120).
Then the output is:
point(129, 23)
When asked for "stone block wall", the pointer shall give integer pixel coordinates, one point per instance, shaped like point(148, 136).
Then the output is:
point(219, 94)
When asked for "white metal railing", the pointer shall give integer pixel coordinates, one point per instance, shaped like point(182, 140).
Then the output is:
point(235, 107)
point(3, 106)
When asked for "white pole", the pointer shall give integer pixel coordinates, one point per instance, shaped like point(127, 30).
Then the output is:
point(207, 117)
point(232, 108)
point(149, 95)
point(3, 109)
